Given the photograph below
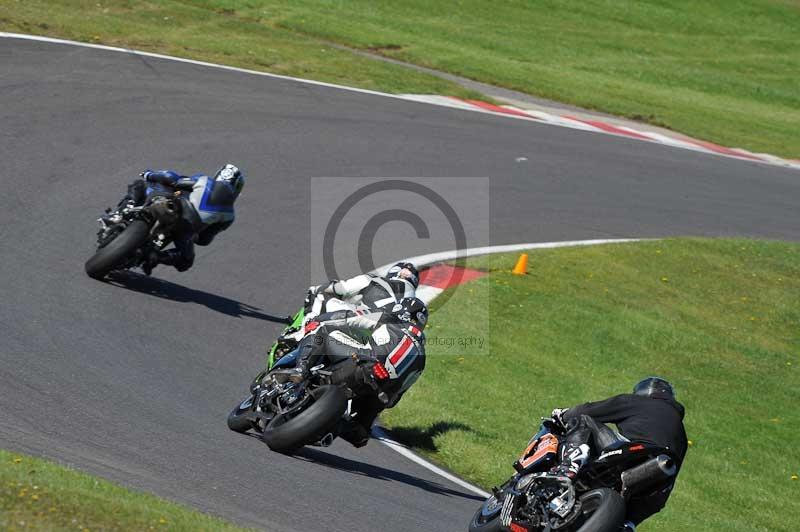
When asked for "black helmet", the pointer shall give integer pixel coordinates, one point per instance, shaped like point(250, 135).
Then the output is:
point(654, 387)
point(411, 310)
point(404, 271)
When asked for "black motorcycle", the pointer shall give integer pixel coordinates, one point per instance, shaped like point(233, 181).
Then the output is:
point(291, 410)
point(534, 500)
point(128, 234)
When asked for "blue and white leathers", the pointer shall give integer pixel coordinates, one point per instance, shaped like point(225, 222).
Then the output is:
point(212, 199)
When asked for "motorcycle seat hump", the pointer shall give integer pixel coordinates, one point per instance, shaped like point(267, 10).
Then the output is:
point(608, 439)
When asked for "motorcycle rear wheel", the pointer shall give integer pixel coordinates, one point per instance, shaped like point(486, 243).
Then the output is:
point(284, 435)
point(115, 252)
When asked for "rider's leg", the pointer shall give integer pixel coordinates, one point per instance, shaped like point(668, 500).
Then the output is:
point(575, 450)
point(181, 257)
point(365, 410)
point(310, 350)
point(640, 507)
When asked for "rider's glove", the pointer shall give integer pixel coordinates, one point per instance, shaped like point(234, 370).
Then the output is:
point(558, 415)
point(146, 175)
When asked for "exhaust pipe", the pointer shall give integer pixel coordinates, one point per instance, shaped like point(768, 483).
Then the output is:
point(649, 474)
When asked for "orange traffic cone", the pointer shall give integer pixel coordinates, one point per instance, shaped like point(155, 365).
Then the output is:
point(521, 267)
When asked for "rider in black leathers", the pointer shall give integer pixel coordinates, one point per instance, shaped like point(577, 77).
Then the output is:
point(650, 414)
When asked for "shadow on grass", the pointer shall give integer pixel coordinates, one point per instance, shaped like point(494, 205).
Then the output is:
point(423, 438)
point(175, 292)
point(340, 463)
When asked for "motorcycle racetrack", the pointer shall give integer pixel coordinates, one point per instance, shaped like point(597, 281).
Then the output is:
point(132, 381)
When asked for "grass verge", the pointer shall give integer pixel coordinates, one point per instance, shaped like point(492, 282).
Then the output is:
point(717, 317)
point(37, 494)
point(720, 70)
point(215, 33)
point(717, 70)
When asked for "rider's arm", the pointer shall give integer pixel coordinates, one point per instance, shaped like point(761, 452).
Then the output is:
point(612, 410)
point(348, 287)
point(367, 321)
point(170, 179)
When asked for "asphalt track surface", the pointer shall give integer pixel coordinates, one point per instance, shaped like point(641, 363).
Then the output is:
point(134, 382)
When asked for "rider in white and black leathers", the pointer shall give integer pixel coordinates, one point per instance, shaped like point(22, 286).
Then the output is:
point(366, 291)
point(392, 338)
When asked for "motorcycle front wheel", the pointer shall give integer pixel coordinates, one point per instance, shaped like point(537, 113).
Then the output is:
point(487, 518)
point(238, 419)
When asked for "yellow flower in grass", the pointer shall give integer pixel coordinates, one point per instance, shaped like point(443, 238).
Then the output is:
point(794, 477)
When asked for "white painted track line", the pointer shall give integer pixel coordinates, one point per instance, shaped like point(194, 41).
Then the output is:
point(379, 434)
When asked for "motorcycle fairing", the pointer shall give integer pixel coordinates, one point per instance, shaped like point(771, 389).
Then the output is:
point(543, 448)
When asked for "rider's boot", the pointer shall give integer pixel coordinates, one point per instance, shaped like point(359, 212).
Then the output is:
point(354, 433)
point(573, 457)
point(151, 261)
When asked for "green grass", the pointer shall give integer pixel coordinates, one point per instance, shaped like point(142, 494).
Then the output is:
point(219, 34)
point(39, 495)
point(723, 70)
point(719, 318)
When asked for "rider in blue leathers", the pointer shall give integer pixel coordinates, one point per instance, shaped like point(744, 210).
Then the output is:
point(207, 211)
